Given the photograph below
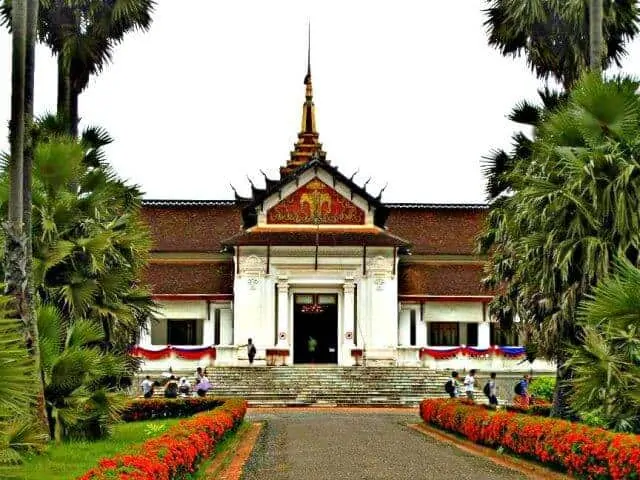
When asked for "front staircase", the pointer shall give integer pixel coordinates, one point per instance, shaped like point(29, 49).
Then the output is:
point(326, 385)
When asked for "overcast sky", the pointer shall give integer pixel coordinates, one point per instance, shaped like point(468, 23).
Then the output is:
point(409, 94)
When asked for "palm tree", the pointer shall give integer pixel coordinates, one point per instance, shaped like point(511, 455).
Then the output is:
point(14, 247)
point(16, 392)
point(83, 35)
point(574, 208)
point(553, 35)
point(606, 384)
point(595, 36)
point(90, 244)
point(76, 372)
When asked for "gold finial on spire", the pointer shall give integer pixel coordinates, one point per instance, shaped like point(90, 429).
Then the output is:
point(307, 148)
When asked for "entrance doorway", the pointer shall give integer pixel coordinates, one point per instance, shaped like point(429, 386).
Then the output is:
point(315, 328)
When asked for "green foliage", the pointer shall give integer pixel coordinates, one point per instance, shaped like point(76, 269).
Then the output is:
point(543, 388)
point(573, 209)
point(76, 371)
point(553, 35)
point(606, 382)
point(71, 459)
point(17, 435)
point(89, 242)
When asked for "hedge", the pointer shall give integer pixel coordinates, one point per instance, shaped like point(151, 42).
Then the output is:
point(150, 408)
point(580, 450)
point(176, 454)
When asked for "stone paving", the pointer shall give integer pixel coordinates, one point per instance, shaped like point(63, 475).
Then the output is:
point(357, 444)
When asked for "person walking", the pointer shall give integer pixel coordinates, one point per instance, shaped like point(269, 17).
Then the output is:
point(452, 385)
point(522, 398)
point(491, 390)
point(470, 383)
point(251, 351)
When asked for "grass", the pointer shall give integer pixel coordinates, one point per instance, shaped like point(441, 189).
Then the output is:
point(70, 460)
point(229, 443)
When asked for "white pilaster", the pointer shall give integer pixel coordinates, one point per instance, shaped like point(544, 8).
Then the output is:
point(348, 321)
point(208, 326)
point(404, 327)
point(226, 327)
point(145, 335)
point(484, 335)
point(421, 328)
point(283, 313)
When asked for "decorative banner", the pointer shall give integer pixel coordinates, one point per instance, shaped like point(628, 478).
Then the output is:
point(450, 352)
point(194, 353)
point(511, 351)
point(316, 203)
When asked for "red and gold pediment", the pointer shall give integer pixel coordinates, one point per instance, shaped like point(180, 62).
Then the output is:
point(316, 203)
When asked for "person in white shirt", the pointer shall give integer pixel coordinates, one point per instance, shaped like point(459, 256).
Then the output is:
point(470, 383)
point(147, 387)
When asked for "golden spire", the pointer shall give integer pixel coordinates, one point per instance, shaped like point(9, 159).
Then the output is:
point(307, 147)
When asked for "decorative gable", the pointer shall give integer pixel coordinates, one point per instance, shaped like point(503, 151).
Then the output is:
point(316, 203)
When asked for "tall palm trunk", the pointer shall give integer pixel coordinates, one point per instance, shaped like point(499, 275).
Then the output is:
point(15, 243)
point(595, 36)
point(64, 88)
point(27, 179)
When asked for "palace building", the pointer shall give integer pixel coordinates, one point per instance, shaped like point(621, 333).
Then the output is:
point(315, 268)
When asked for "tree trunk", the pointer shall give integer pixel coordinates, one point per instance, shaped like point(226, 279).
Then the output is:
point(595, 36)
point(15, 243)
point(560, 407)
point(27, 179)
point(73, 112)
point(64, 89)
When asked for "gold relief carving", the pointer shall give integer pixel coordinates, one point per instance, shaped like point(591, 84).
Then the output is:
point(316, 203)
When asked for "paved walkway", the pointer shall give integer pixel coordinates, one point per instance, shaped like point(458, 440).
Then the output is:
point(314, 445)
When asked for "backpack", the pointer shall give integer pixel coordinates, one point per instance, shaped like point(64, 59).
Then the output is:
point(448, 387)
point(487, 389)
point(519, 389)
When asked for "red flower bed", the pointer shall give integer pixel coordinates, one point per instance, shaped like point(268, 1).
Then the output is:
point(176, 454)
point(586, 452)
point(149, 408)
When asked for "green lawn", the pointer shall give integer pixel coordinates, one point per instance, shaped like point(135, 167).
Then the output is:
point(70, 460)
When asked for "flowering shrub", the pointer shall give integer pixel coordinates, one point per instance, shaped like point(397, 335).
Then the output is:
point(176, 454)
point(582, 451)
point(149, 408)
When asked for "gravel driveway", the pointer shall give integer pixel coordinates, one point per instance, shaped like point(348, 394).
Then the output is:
point(298, 444)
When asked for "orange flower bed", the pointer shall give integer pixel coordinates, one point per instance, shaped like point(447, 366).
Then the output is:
point(176, 454)
point(582, 451)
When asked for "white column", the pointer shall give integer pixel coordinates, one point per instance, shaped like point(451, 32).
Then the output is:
point(421, 328)
point(283, 313)
point(484, 335)
point(208, 326)
point(404, 327)
point(226, 327)
point(349, 320)
point(145, 335)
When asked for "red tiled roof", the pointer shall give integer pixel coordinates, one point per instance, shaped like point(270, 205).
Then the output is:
point(190, 278)
point(191, 227)
point(443, 231)
point(440, 279)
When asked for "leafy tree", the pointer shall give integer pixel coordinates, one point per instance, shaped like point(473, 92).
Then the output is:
point(574, 208)
point(83, 35)
point(606, 363)
point(554, 36)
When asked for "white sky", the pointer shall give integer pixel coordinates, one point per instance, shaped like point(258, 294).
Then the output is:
point(409, 94)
